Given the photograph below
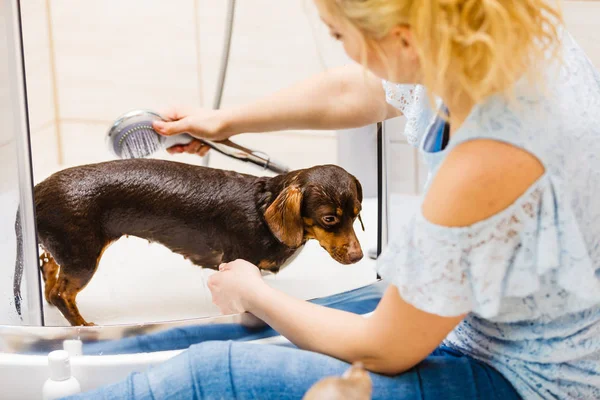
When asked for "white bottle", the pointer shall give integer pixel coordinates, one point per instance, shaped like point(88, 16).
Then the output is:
point(74, 347)
point(61, 383)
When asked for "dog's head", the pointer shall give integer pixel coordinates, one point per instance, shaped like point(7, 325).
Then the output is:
point(319, 203)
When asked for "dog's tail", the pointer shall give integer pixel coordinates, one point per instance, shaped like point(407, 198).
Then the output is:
point(18, 264)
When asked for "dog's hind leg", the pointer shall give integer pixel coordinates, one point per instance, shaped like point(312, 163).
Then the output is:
point(49, 271)
point(64, 292)
point(73, 276)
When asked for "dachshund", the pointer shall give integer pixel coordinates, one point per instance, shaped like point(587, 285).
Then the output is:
point(209, 216)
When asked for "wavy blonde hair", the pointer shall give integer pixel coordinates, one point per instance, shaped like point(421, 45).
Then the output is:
point(485, 45)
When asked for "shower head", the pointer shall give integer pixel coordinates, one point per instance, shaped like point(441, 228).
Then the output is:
point(132, 136)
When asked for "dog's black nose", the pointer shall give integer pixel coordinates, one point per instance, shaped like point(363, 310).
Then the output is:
point(355, 255)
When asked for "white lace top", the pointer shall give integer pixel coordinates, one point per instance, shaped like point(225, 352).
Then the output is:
point(529, 276)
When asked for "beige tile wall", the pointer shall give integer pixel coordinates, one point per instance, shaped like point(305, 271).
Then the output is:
point(582, 18)
point(44, 150)
point(38, 67)
point(275, 45)
point(6, 136)
point(40, 86)
point(96, 60)
point(114, 56)
point(9, 184)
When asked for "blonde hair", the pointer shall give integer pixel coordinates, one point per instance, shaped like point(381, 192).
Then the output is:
point(485, 45)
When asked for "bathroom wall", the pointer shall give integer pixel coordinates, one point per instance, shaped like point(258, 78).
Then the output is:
point(581, 18)
point(40, 90)
point(88, 62)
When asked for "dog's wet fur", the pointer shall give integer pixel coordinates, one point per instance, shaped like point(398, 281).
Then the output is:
point(207, 215)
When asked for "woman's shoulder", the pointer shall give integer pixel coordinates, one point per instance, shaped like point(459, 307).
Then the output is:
point(478, 179)
point(493, 225)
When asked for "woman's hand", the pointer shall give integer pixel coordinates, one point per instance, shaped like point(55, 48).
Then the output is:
point(235, 285)
point(202, 123)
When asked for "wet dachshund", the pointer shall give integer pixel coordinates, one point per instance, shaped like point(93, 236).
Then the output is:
point(207, 215)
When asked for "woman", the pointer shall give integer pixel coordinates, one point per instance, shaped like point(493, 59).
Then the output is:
point(493, 291)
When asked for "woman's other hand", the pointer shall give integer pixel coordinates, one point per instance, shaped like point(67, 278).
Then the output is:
point(193, 147)
point(200, 123)
point(235, 285)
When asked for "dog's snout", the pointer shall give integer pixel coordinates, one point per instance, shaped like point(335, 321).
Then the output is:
point(355, 253)
point(355, 256)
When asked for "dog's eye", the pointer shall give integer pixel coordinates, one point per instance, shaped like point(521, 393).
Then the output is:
point(330, 219)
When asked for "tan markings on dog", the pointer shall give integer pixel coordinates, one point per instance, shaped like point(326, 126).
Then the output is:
point(329, 240)
point(356, 211)
point(64, 293)
point(63, 296)
point(339, 212)
point(308, 234)
point(295, 178)
point(267, 264)
point(335, 244)
point(308, 221)
point(49, 272)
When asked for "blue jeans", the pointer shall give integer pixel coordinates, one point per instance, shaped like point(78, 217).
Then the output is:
point(238, 370)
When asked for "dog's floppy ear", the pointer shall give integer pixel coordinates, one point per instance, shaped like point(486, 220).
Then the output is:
point(284, 218)
point(359, 194)
point(359, 191)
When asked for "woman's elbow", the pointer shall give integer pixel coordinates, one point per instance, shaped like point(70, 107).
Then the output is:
point(388, 365)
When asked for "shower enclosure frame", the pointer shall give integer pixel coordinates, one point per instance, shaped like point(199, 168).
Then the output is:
point(33, 312)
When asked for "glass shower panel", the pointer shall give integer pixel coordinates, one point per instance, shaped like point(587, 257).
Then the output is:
point(161, 305)
point(16, 182)
point(406, 175)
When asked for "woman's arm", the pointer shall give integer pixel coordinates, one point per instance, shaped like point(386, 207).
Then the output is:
point(393, 339)
point(345, 97)
point(396, 337)
point(477, 180)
